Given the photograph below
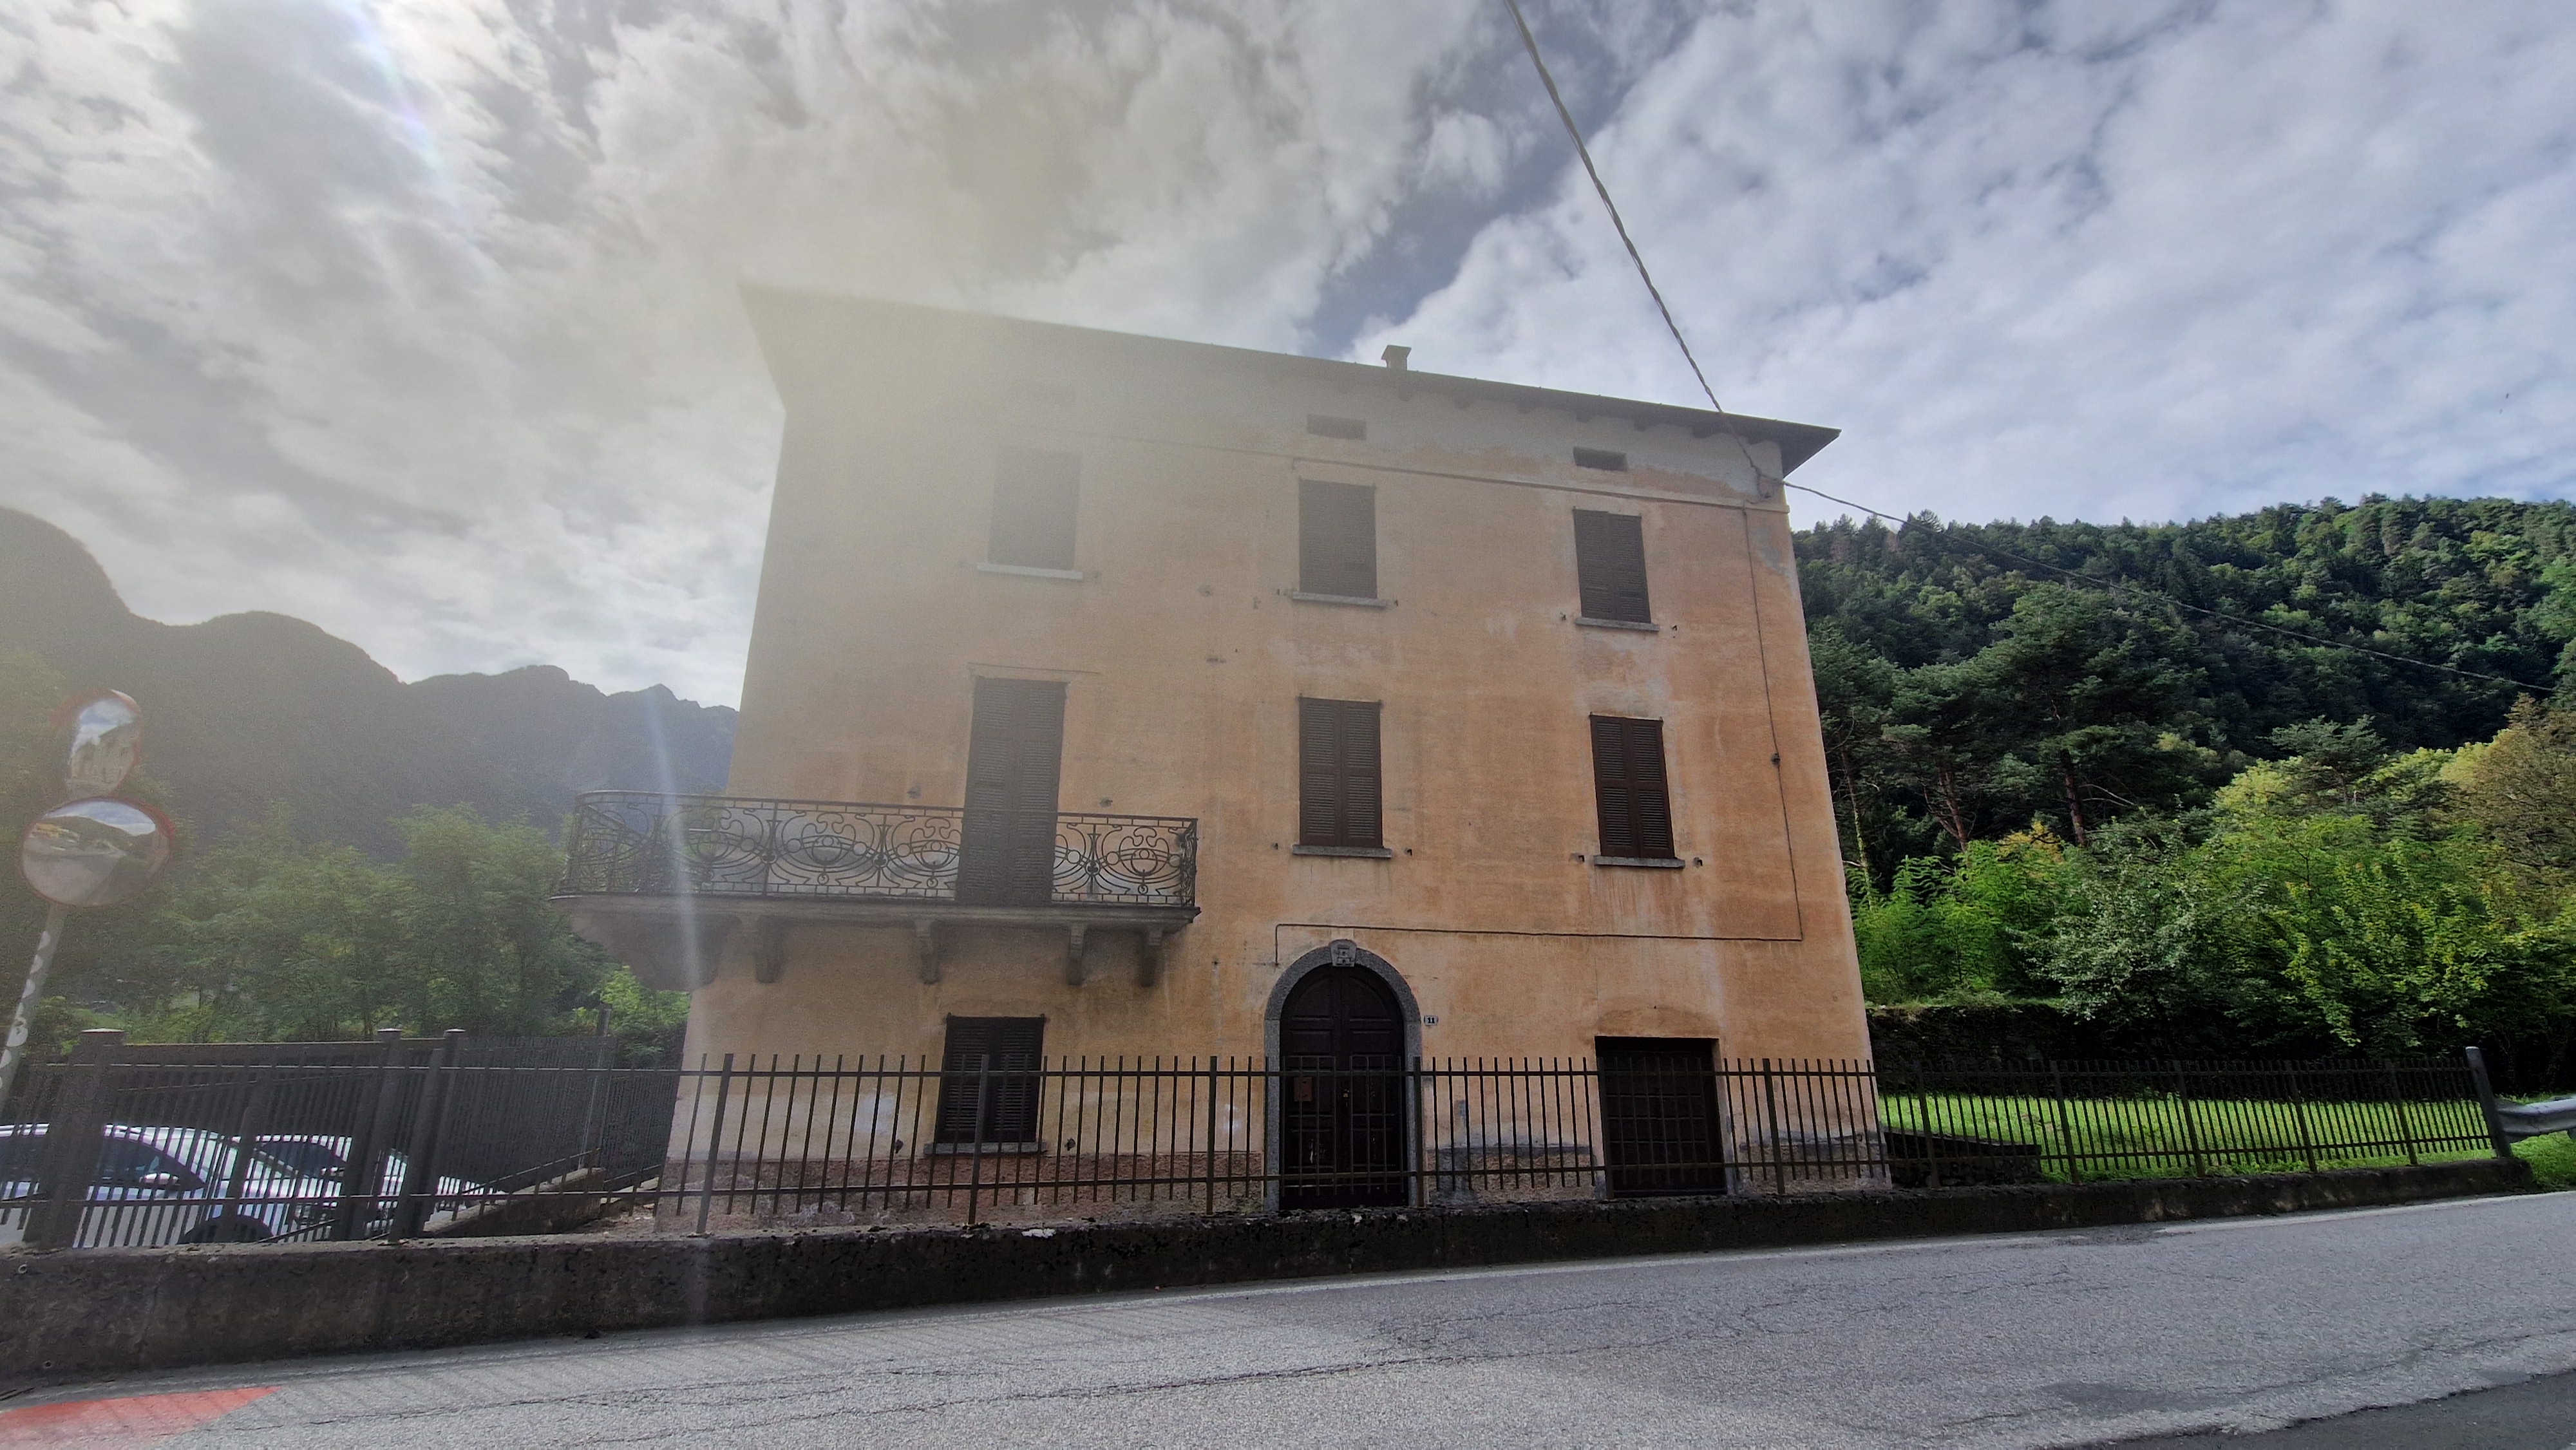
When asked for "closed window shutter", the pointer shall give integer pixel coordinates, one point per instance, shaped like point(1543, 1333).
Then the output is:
point(1036, 496)
point(1008, 1110)
point(1339, 782)
point(1610, 562)
point(1336, 539)
point(1013, 774)
point(1630, 789)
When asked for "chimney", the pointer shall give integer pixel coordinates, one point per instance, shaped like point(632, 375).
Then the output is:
point(1395, 356)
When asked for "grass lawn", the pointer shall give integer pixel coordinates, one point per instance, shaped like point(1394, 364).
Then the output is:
point(2156, 1136)
point(2552, 1159)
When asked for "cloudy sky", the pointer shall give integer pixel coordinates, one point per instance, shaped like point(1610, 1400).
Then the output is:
point(416, 318)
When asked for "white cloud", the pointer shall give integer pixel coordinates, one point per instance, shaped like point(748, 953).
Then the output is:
point(2034, 264)
point(416, 318)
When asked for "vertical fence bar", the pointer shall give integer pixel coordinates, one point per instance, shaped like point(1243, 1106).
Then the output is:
point(983, 1110)
point(1771, 1115)
point(2065, 1121)
point(1211, 1135)
point(2299, 1114)
point(361, 1182)
point(2397, 1105)
point(2190, 1120)
point(420, 1174)
point(715, 1139)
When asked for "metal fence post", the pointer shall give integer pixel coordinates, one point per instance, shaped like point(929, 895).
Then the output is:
point(2299, 1113)
point(2397, 1105)
point(73, 1141)
point(420, 1174)
point(715, 1141)
point(1211, 1135)
point(2486, 1100)
point(2190, 1119)
point(1771, 1114)
point(362, 1181)
point(983, 1110)
point(2065, 1121)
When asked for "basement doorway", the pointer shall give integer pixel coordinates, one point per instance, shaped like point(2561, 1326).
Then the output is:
point(1659, 1119)
point(1341, 1041)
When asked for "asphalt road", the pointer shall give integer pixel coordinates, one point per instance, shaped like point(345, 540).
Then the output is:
point(2056, 1339)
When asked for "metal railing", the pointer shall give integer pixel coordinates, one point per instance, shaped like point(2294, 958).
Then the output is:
point(644, 843)
point(439, 1141)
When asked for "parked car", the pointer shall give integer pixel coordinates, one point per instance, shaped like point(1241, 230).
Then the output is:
point(169, 1186)
point(327, 1157)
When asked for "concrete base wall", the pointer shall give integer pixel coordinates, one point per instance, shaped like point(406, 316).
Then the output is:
point(72, 1314)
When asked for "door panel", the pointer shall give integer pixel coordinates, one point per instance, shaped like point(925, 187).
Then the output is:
point(1341, 1042)
point(1659, 1120)
point(1013, 762)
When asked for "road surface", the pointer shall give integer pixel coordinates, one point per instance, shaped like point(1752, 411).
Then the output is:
point(2058, 1339)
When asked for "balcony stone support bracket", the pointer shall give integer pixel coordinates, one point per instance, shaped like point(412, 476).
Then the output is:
point(674, 941)
point(769, 952)
point(1149, 958)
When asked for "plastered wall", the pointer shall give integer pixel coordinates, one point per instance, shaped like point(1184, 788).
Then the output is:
point(1184, 657)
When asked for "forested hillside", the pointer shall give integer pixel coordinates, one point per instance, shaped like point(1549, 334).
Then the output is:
point(2197, 789)
point(1969, 689)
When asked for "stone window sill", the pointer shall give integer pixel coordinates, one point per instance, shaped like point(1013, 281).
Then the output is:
point(1588, 622)
point(1031, 571)
point(1302, 597)
point(989, 1150)
point(1654, 863)
point(1374, 853)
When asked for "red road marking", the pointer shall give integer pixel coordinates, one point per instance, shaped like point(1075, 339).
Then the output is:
point(127, 1424)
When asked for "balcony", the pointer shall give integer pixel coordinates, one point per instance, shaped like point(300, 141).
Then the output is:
point(662, 881)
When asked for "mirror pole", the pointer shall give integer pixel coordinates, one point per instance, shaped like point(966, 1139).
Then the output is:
point(24, 1023)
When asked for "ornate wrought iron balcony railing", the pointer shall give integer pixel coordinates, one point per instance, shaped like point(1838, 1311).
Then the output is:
point(644, 843)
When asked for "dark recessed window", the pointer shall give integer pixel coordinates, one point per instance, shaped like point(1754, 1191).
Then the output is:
point(1610, 562)
point(1635, 803)
point(1601, 458)
point(1035, 496)
point(988, 1080)
point(1325, 427)
point(1336, 539)
point(1339, 783)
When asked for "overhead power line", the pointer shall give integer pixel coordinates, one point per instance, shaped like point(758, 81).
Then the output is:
point(1529, 42)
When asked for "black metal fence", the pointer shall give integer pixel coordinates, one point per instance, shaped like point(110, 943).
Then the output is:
point(189, 1143)
point(435, 1138)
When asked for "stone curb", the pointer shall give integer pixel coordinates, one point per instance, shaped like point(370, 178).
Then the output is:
point(70, 1314)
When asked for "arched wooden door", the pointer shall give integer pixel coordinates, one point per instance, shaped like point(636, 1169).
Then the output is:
point(1341, 1044)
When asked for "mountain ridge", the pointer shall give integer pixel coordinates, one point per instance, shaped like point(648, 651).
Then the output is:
point(250, 710)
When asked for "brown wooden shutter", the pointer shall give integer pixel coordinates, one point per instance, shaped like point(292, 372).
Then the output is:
point(1336, 539)
point(1340, 786)
point(1629, 788)
point(1014, 764)
point(1008, 1110)
point(1610, 562)
point(1036, 496)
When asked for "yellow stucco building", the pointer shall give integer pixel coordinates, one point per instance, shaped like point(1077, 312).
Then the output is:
point(1118, 696)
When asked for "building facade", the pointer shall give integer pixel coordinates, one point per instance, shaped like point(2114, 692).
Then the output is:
point(1112, 697)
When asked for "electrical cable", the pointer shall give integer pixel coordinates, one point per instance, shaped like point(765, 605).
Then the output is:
point(1529, 42)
